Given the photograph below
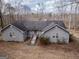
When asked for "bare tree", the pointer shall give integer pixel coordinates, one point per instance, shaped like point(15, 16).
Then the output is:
point(10, 11)
point(75, 16)
point(1, 20)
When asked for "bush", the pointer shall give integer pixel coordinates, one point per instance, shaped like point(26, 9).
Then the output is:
point(44, 40)
point(71, 38)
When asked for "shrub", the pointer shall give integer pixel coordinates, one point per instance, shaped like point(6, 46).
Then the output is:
point(44, 40)
point(71, 38)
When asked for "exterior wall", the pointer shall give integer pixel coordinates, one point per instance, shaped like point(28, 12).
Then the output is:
point(17, 35)
point(57, 35)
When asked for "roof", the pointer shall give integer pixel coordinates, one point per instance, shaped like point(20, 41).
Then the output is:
point(12, 27)
point(54, 27)
point(60, 23)
point(5, 28)
point(36, 25)
point(20, 25)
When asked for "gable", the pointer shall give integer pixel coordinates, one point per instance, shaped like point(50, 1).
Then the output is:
point(13, 34)
point(59, 23)
point(10, 27)
point(54, 27)
point(54, 31)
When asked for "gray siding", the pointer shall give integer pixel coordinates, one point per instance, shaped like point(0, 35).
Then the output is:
point(17, 35)
point(57, 35)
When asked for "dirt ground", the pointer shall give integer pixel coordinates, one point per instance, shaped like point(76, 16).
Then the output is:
point(15, 50)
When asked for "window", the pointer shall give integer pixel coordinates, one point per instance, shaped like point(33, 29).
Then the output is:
point(12, 35)
point(53, 36)
point(56, 35)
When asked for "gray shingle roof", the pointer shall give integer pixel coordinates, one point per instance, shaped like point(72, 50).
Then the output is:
point(36, 25)
point(20, 25)
point(2, 30)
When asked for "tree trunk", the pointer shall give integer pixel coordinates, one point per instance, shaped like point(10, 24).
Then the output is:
point(1, 20)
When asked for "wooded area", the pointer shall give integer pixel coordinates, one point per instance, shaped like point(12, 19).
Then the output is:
point(9, 14)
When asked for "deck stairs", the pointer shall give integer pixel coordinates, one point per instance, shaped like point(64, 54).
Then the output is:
point(33, 41)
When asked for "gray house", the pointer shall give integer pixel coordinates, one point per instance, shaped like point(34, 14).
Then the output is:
point(56, 33)
point(20, 30)
point(12, 33)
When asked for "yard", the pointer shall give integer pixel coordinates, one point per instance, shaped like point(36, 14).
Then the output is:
point(15, 50)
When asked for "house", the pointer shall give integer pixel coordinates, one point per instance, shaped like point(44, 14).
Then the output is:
point(20, 30)
point(12, 33)
point(56, 33)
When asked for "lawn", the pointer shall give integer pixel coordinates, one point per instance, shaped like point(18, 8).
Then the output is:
point(15, 50)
